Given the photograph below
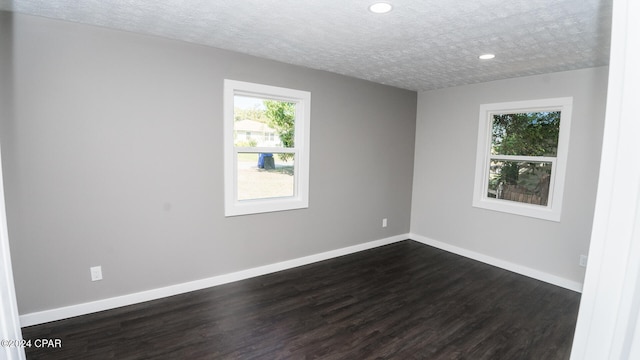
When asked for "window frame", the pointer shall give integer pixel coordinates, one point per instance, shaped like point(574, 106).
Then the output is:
point(553, 210)
point(300, 198)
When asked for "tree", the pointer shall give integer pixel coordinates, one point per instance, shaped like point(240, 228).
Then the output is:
point(281, 117)
point(253, 113)
point(524, 134)
point(527, 134)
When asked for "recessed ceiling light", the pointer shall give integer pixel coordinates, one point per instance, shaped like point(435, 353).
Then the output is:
point(486, 56)
point(380, 8)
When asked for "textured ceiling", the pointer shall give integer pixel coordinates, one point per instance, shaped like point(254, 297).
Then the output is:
point(420, 45)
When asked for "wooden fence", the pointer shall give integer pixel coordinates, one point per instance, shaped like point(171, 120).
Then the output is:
point(521, 194)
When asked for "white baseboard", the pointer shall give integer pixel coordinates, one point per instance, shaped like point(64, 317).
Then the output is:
point(135, 298)
point(516, 268)
point(130, 299)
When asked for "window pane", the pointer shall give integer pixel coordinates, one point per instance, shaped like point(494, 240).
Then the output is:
point(525, 134)
point(525, 182)
point(265, 175)
point(263, 122)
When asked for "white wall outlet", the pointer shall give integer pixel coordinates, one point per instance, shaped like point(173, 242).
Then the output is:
point(96, 273)
point(583, 260)
point(384, 222)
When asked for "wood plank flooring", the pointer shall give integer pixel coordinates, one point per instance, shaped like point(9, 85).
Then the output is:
point(401, 301)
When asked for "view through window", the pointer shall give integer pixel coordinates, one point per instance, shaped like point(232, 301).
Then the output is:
point(521, 157)
point(523, 152)
point(264, 133)
point(266, 148)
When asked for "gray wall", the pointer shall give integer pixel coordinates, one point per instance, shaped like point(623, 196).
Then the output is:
point(6, 75)
point(446, 139)
point(114, 158)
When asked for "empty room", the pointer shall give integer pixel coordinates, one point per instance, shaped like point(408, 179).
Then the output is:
point(319, 179)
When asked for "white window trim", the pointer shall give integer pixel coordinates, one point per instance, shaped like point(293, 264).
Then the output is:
point(553, 210)
point(300, 199)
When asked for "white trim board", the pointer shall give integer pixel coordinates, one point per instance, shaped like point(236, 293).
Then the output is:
point(42, 317)
point(516, 268)
point(9, 319)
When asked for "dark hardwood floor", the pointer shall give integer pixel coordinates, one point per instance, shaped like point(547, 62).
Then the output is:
point(400, 301)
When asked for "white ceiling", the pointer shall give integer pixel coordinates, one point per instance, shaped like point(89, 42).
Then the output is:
point(419, 45)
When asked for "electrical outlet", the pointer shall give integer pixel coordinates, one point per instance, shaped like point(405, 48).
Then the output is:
point(583, 260)
point(384, 222)
point(96, 273)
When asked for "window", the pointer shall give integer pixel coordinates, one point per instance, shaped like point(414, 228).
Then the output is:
point(521, 158)
point(270, 171)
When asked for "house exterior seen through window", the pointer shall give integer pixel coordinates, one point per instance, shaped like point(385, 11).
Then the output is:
point(521, 160)
point(266, 148)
